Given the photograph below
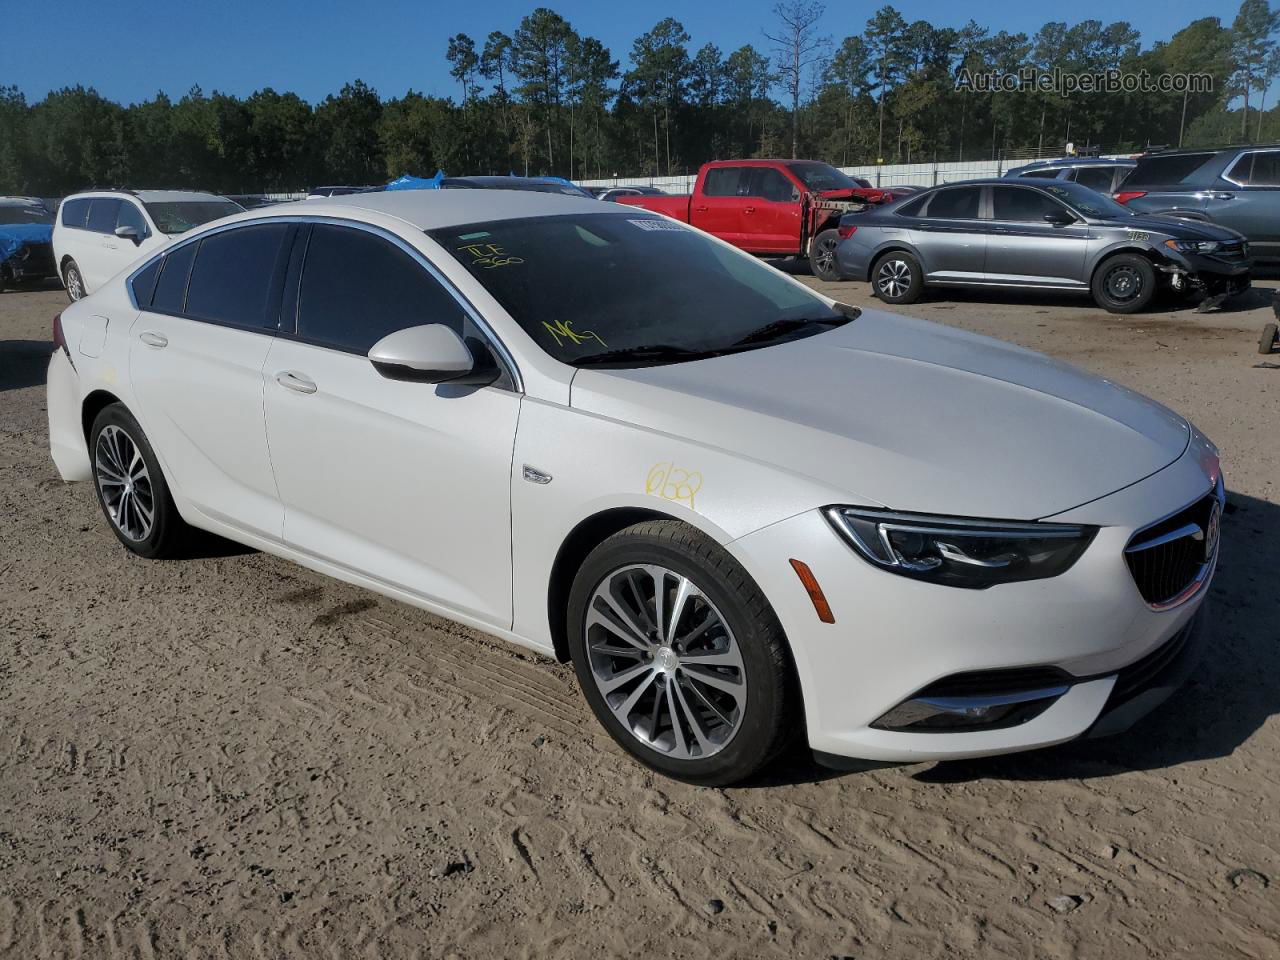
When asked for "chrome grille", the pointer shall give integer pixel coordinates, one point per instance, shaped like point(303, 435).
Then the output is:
point(1170, 558)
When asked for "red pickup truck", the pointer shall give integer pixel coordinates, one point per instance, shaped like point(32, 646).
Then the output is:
point(772, 207)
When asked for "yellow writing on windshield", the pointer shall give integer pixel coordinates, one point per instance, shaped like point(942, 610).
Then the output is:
point(489, 255)
point(563, 330)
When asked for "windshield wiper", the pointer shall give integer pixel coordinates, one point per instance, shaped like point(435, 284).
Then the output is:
point(788, 324)
point(652, 351)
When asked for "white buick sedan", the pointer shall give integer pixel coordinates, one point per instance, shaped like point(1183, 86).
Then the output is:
point(744, 511)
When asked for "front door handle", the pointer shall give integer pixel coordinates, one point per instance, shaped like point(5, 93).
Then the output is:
point(1221, 196)
point(749, 210)
point(153, 339)
point(296, 382)
point(699, 209)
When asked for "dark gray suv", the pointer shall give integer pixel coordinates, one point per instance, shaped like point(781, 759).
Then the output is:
point(1041, 234)
point(1104, 174)
point(1236, 187)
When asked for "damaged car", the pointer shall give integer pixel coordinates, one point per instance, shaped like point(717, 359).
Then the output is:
point(26, 242)
point(1029, 233)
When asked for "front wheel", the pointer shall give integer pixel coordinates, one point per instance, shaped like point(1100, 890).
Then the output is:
point(1124, 283)
point(74, 281)
point(680, 655)
point(822, 256)
point(131, 489)
point(897, 278)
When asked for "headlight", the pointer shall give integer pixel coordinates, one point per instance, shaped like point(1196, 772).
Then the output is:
point(960, 552)
point(1193, 246)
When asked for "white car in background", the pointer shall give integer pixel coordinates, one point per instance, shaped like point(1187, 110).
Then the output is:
point(744, 511)
point(99, 233)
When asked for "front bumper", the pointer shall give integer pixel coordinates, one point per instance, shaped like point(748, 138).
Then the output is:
point(894, 637)
point(1212, 275)
point(33, 262)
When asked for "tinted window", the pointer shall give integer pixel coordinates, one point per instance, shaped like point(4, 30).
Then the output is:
point(961, 204)
point(1168, 169)
point(171, 288)
point(1260, 169)
point(75, 213)
point(102, 215)
point(357, 288)
point(144, 284)
point(771, 185)
point(232, 280)
point(131, 216)
point(1095, 178)
point(1050, 174)
point(585, 285)
point(822, 176)
point(913, 208)
point(1011, 203)
point(725, 181)
point(21, 213)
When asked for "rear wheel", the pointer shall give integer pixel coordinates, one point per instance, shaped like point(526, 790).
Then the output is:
point(74, 281)
point(822, 256)
point(897, 278)
point(680, 655)
point(131, 489)
point(1124, 283)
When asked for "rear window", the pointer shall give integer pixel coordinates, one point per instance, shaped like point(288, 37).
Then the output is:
point(1096, 178)
point(17, 213)
point(1167, 170)
point(144, 284)
point(75, 213)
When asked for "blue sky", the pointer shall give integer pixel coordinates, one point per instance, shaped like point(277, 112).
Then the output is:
point(128, 50)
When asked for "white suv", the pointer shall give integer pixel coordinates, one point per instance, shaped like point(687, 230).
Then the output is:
point(99, 233)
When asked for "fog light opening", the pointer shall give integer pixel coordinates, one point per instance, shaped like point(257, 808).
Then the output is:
point(985, 712)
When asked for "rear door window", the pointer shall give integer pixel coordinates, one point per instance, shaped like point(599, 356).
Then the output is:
point(1167, 170)
point(960, 203)
point(726, 181)
point(358, 287)
point(233, 282)
point(171, 288)
point(1096, 178)
point(102, 214)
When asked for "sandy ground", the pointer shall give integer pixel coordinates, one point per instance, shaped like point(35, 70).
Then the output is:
point(233, 757)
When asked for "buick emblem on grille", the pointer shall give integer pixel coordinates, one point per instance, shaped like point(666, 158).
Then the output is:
point(1213, 531)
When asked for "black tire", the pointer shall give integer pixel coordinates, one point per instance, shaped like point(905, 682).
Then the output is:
point(766, 724)
point(167, 534)
point(73, 280)
point(1267, 342)
point(897, 277)
point(822, 256)
point(1124, 283)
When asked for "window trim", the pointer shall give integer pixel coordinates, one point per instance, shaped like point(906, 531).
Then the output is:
point(1236, 162)
point(498, 347)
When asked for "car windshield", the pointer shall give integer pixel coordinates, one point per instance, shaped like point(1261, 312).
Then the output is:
point(820, 177)
point(1086, 201)
point(19, 213)
point(179, 216)
point(633, 291)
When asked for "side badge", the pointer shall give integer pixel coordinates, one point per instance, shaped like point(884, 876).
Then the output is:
point(536, 476)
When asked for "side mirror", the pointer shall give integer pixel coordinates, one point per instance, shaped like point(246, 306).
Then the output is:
point(129, 233)
point(1059, 217)
point(431, 353)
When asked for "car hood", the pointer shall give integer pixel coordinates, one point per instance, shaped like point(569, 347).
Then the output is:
point(907, 414)
point(1179, 227)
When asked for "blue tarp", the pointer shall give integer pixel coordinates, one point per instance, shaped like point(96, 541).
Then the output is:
point(15, 236)
point(407, 182)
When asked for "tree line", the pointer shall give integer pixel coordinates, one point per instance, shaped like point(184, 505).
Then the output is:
point(546, 99)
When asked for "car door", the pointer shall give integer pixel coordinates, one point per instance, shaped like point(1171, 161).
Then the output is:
point(405, 482)
point(1023, 248)
point(718, 208)
point(1251, 201)
point(101, 259)
point(771, 218)
point(195, 363)
point(951, 235)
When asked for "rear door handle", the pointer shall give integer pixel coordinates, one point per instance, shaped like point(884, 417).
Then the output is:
point(700, 209)
point(153, 339)
point(1222, 196)
point(296, 382)
point(749, 210)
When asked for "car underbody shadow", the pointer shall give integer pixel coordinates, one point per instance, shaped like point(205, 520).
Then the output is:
point(23, 363)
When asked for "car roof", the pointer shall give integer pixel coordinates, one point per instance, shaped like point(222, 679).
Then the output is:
point(151, 196)
point(1078, 162)
point(432, 209)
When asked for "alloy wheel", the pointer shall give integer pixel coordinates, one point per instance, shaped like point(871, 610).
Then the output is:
point(75, 286)
point(124, 483)
point(825, 257)
point(665, 661)
point(894, 277)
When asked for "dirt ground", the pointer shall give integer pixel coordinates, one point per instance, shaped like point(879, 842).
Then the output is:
point(232, 757)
